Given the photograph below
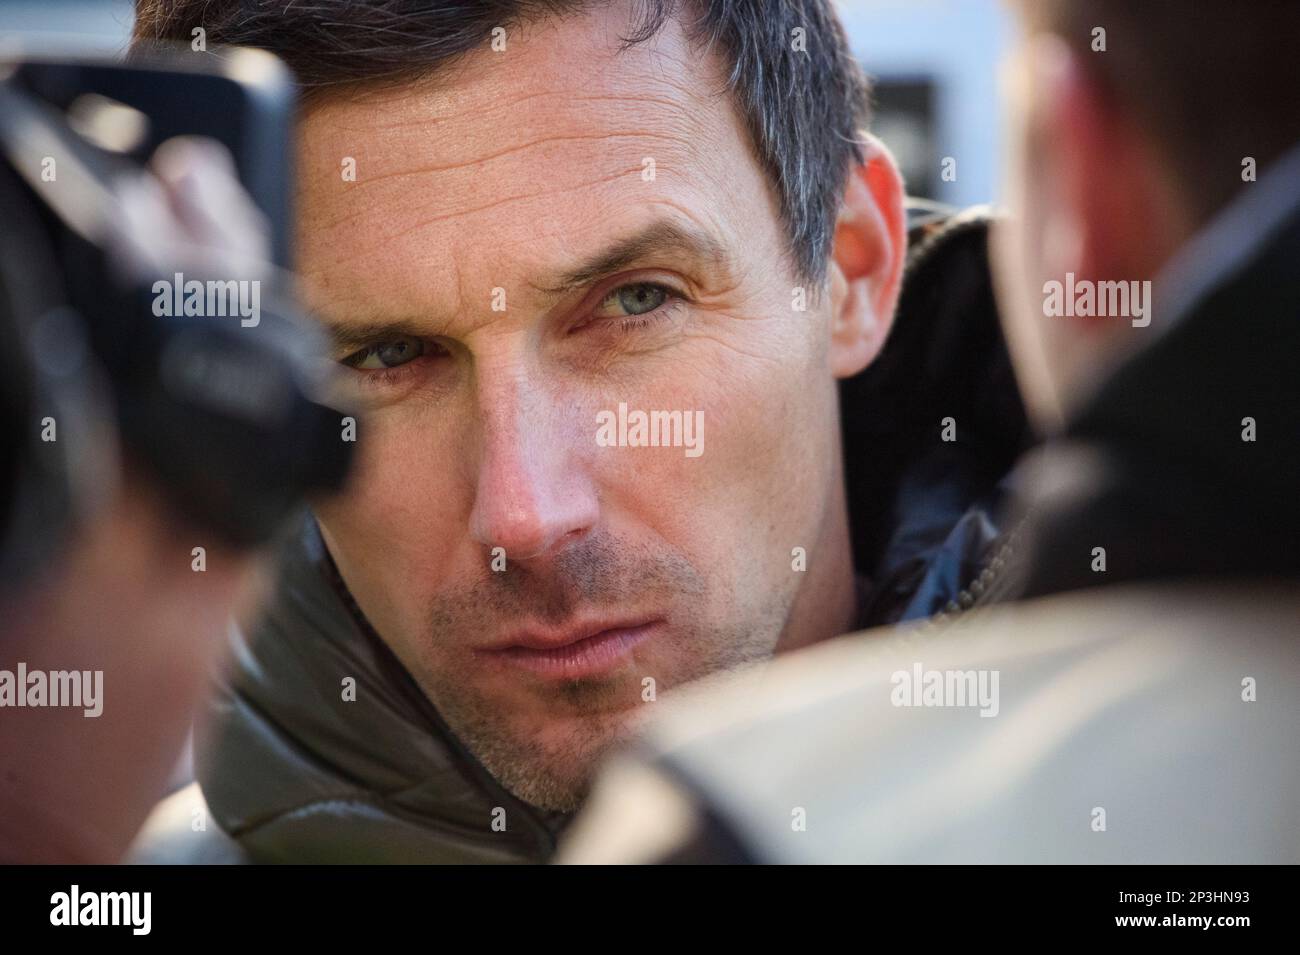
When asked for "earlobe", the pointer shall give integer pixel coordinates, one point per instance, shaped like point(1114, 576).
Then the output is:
point(869, 250)
point(856, 332)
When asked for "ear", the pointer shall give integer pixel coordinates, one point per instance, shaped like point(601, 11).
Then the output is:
point(1111, 194)
point(1090, 198)
point(1067, 135)
point(867, 260)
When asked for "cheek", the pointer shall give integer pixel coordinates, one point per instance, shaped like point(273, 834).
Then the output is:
point(759, 486)
point(394, 532)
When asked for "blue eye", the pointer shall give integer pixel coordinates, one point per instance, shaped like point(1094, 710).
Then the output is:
point(388, 354)
point(630, 300)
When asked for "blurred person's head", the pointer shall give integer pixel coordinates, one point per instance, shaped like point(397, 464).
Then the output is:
point(126, 543)
point(527, 225)
point(114, 641)
point(1132, 125)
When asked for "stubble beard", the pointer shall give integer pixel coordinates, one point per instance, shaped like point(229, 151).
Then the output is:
point(548, 767)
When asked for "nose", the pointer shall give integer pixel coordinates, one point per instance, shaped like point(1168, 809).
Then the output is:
point(533, 496)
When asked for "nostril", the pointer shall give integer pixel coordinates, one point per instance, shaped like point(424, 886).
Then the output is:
point(572, 537)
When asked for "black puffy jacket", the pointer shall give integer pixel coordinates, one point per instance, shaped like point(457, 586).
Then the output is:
point(291, 774)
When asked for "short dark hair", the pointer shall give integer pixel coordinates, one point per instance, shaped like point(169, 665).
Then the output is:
point(1214, 81)
point(805, 105)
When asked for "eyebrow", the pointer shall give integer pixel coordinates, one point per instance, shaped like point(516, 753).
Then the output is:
point(346, 338)
point(663, 236)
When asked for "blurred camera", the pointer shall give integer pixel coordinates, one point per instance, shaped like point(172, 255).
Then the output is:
point(147, 316)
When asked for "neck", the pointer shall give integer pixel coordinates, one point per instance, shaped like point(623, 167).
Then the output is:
point(827, 604)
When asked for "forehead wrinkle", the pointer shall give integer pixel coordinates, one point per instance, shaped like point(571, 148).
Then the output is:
point(545, 140)
point(418, 95)
point(498, 202)
point(680, 109)
point(495, 103)
point(481, 143)
point(671, 145)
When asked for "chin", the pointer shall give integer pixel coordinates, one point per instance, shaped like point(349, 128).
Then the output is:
point(565, 757)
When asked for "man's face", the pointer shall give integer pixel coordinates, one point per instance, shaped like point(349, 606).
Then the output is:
point(535, 237)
